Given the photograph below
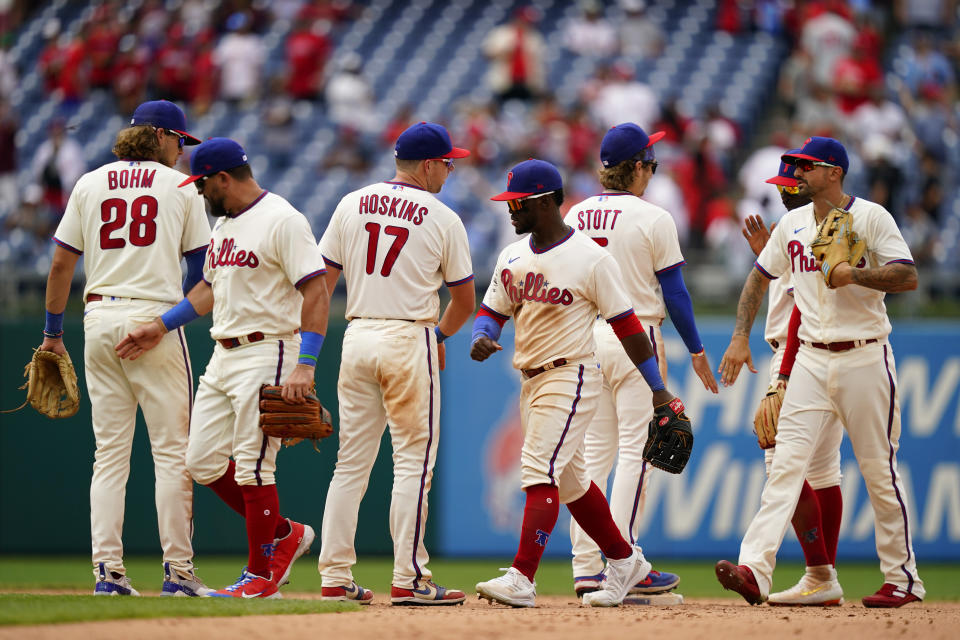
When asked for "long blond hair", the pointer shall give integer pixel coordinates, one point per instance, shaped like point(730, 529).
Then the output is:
point(137, 143)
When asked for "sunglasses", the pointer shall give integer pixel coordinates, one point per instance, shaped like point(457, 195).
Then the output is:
point(199, 182)
point(517, 205)
point(790, 190)
point(808, 165)
point(448, 162)
point(180, 139)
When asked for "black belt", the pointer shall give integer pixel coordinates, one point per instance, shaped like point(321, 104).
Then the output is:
point(256, 336)
point(841, 346)
point(774, 344)
point(559, 362)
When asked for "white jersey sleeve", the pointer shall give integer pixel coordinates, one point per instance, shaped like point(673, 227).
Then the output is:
point(666, 244)
point(609, 294)
point(69, 234)
point(885, 243)
point(773, 261)
point(196, 232)
point(496, 298)
point(297, 250)
point(331, 244)
point(456, 264)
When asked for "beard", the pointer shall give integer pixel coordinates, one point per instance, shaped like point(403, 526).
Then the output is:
point(793, 200)
point(216, 209)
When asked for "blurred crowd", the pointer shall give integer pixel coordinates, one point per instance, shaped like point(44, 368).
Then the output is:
point(881, 77)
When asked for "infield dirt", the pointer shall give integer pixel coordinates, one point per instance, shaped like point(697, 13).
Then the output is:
point(555, 618)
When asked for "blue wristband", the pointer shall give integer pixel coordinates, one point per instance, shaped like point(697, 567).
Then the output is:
point(441, 336)
point(179, 315)
point(485, 326)
point(54, 326)
point(310, 343)
point(650, 371)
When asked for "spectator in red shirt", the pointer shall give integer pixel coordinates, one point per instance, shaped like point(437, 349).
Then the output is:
point(308, 48)
point(855, 75)
point(101, 46)
point(174, 65)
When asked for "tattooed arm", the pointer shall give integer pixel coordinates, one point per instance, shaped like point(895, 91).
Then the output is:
point(890, 278)
point(738, 353)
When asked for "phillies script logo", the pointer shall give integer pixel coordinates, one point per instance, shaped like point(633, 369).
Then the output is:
point(799, 260)
point(226, 256)
point(534, 288)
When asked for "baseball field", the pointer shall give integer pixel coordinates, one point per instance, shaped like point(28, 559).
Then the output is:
point(49, 597)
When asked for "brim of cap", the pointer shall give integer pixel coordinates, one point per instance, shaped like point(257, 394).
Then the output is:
point(456, 152)
point(783, 181)
point(189, 180)
point(510, 195)
point(655, 137)
point(190, 140)
point(792, 159)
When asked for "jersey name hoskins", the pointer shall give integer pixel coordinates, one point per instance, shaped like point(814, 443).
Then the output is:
point(130, 179)
point(393, 207)
point(534, 288)
point(227, 257)
point(592, 219)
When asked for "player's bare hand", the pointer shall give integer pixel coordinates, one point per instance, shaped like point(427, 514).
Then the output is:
point(442, 356)
point(483, 347)
point(53, 344)
point(737, 354)
point(139, 341)
point(842, 275)
point(756, 233)
point(662, 397)
point(298, 384)
point(702, 366)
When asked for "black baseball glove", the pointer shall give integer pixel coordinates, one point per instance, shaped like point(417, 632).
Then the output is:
point(669, 439)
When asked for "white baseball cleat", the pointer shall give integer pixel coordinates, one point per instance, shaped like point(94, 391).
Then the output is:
point(620, 576)
point(512, 588)
point(817, 588)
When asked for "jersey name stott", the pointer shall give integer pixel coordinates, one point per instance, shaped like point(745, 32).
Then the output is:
point(393, 207)
point(227, 257)
point(535, 289)
point(796, 249)
point(591, 219)
point(130, 179)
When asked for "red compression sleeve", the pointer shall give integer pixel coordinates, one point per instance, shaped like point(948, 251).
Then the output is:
point(793, 343)
point(626, 324)
point(490, 313)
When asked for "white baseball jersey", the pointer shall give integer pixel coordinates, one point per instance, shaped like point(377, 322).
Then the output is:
point(554, 295)
point(779, 309)
point(412, 242)
point(641, 236)
point(256, 259)
point(133, 204)
point(847, 313)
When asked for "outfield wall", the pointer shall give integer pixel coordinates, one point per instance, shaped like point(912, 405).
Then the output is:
point(45, 465)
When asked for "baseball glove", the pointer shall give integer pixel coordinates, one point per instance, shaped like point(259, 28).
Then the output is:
point(293, 422)
point(768, 414)
point(51, 385)
point(669, 438)
point(837, 242)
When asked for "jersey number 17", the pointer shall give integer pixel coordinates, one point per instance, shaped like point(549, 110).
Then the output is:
point(400, 235)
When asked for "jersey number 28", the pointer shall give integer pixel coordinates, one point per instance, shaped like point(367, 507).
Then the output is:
point(400, 235)
point(143, 225)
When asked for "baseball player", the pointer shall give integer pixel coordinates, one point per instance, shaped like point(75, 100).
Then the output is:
point(643, 240)
point(554, 285)
point(844, 369)
point(816, 520)
point(396, 244)
point(132, 225)
point(261, 279)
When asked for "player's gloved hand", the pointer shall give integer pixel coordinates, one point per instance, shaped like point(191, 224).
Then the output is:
point(298, 384)
point(141, 340)
point(736, 355)
point(483, 347)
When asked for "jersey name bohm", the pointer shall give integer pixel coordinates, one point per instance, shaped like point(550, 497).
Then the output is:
point(534, 288)
point(226, 257)
point(393, 207)
point(130, 179)
point(595, 219)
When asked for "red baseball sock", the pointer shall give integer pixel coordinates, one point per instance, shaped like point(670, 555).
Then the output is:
point(228, 490)
point(808, 526)
point(262, 507)
point(283, 528)
point(831, 512)
point(540, 515)
point(592, 513)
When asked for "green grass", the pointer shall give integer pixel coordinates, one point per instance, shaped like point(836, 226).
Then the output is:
point(32, 573)
point(18, 609)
